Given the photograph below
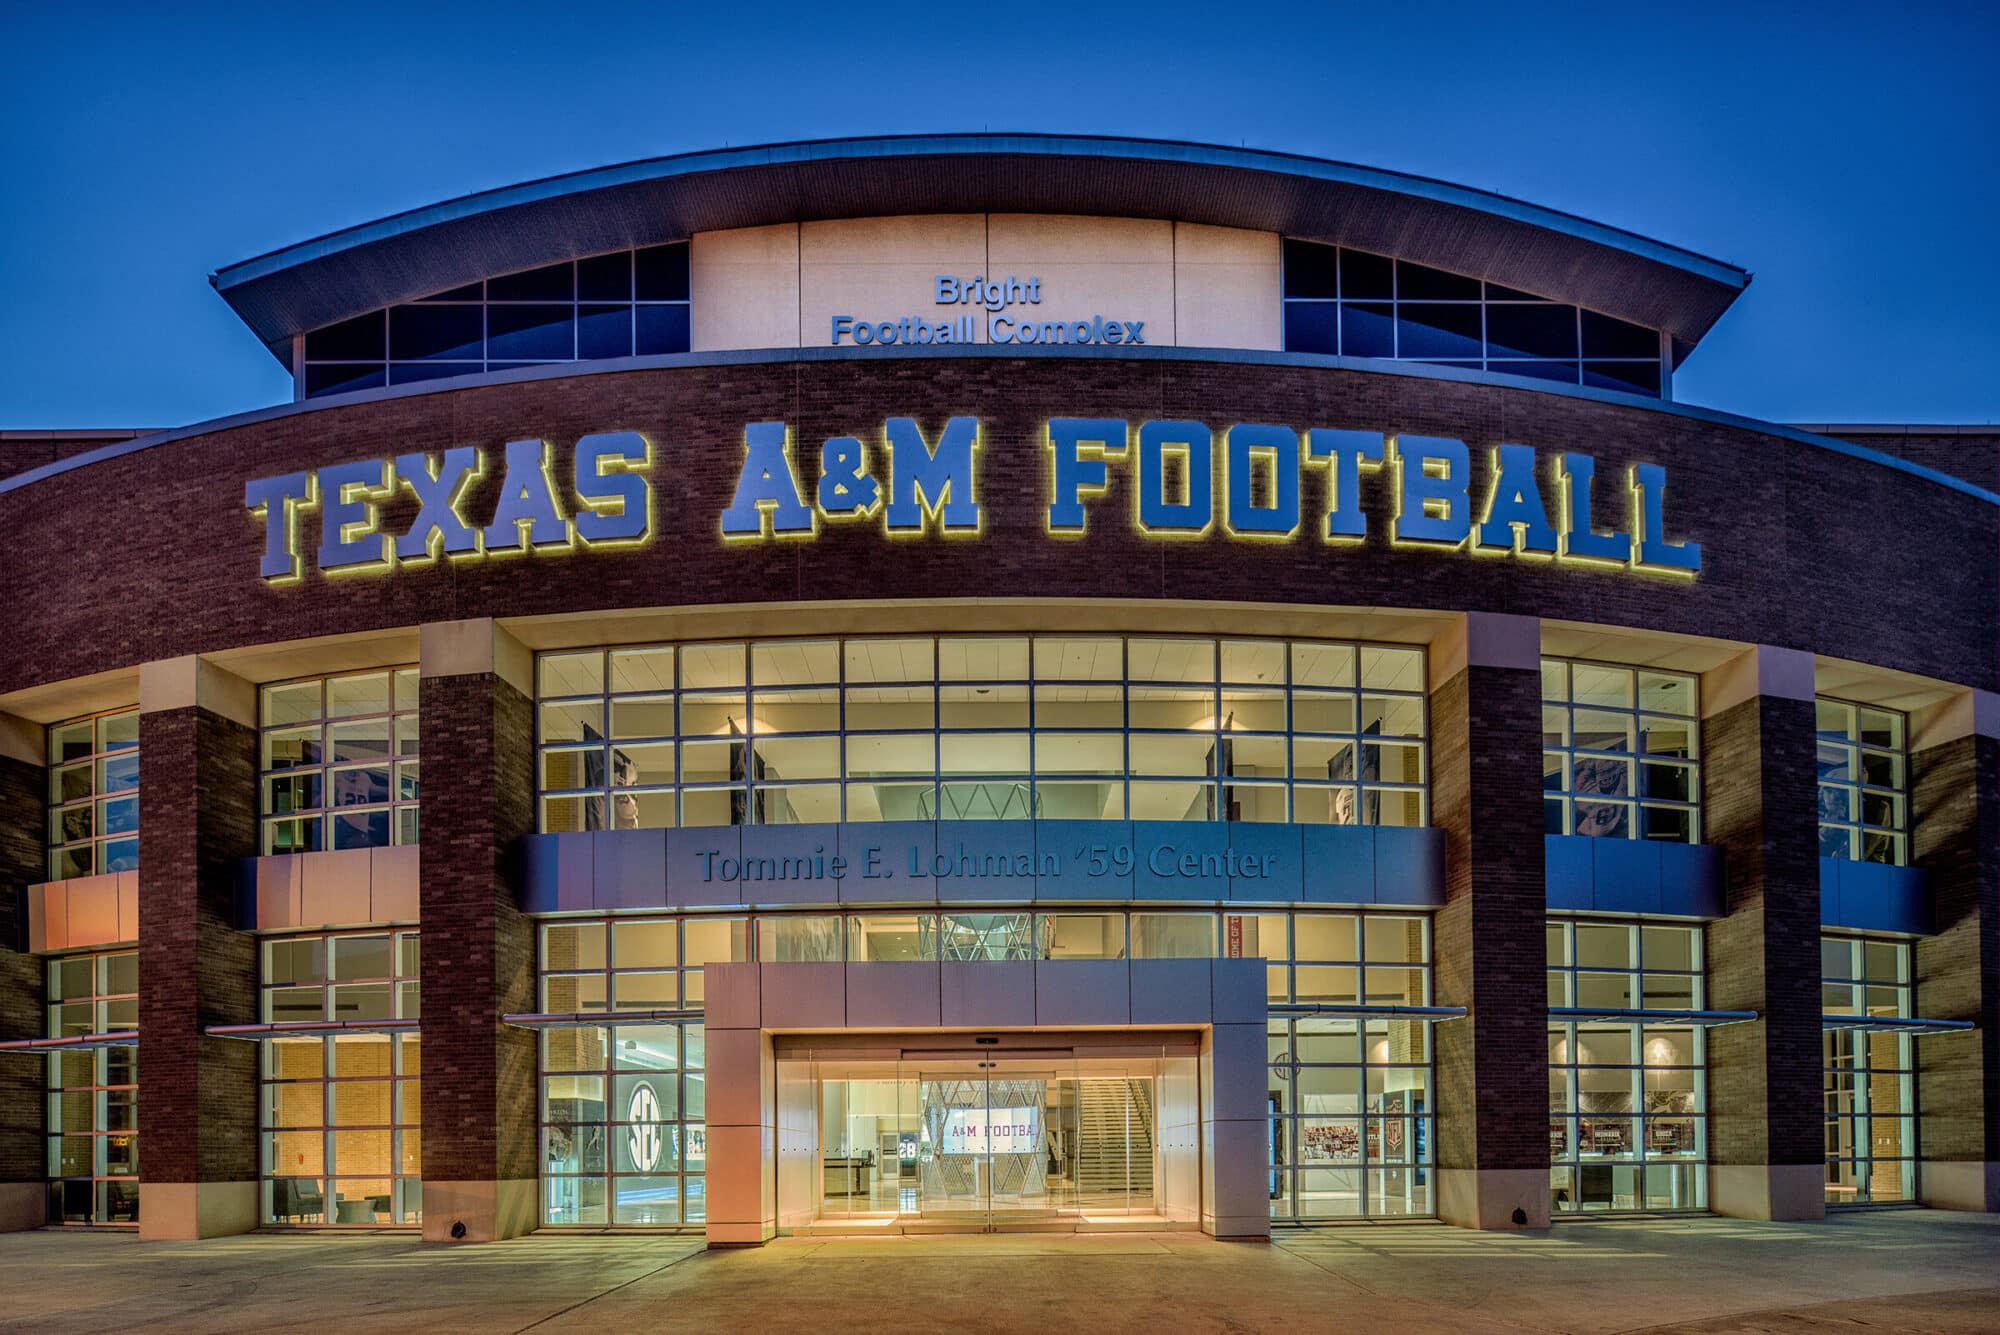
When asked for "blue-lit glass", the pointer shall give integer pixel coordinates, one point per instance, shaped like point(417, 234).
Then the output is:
point(1312, 326)
point(343, 377)
point(437, 333)
point(603, 331)
point(405, 373)
point(660, 329)
point(1389, 309)
point(1560, 372)
point(530, 333)
point(1437, 330)
point(1367, 329)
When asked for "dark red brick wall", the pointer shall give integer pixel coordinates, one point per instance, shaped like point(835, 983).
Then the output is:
point(1492, 1068)
point(23, 450)
point(22, 1077)
point(1975, 459)
point(1760, 804)
point(1955, 828)
point(197, 821)
point(1805, 548)
point(477, 800)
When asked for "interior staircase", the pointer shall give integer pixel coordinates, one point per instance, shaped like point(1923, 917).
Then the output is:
point(1113, 1158)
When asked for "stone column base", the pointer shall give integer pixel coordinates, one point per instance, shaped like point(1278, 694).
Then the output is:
point(184, 1211)
point(741, 1235)
point(1238, 1228)
point(480, 1211)
point(23, 1205)
point(1489, 1198)
point(1959, 1184)
point(1768, 1191)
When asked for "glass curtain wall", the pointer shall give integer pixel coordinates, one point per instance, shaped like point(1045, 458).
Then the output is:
point(1349, 303)
point(1351, 1106)
point(1628, 1101)
point(1620, 752)
point(622, 1105)
point(338, 761)
point(1869, 1078)
point(976, 1139)
point(93, 1096)
point(94, 795)
point(1351, 1114)
point(1863, 783)
point(341, 1114)
point(583, 310)
point(981, 728)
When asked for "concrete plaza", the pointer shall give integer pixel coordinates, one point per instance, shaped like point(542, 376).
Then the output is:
point(1903, 1270)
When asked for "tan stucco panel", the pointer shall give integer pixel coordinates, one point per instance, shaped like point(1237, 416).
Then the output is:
point(782, 286)
point(1227, 288)
point(1120, 268)
point(884, 268)
point(745, 288)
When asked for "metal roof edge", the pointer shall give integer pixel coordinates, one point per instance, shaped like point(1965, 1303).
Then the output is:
point(994, 144)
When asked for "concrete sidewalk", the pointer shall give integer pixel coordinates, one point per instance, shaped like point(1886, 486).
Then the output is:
point(1906, 1270)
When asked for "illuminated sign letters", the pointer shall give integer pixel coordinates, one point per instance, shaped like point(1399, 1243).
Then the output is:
point(1006, 322)
point(1252, 481)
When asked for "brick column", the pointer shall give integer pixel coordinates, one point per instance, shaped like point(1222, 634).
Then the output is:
point(477, 738)
point(24, 1191)
point(197, 822)
point(1767, 1149)
point(1955, 837)
point(1486, 795)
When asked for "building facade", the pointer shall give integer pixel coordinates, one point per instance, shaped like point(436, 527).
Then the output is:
point(973, 682)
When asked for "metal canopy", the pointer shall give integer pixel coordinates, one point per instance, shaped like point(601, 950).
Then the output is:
point(310, 1028)
point(1476, 232)
point(123, 1038)
point(1316, 1010)
point(1696, 1019)
point(597, 1019)
point(1892, 1024)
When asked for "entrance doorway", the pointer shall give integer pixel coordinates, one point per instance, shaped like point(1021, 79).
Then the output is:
point(956, 1140)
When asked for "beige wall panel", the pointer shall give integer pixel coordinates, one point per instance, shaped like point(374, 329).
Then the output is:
point(884, 269)
point(1120, 268)
point(1227, 288)
point(745, 287)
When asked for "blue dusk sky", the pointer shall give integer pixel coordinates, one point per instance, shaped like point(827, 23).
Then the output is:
point(1847, 154)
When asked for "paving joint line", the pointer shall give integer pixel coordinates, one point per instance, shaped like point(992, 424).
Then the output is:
point(615, 1288)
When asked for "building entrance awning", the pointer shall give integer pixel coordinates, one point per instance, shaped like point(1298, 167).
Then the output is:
point(1692, 1019)
point(1335, 1011)
point(123, 1038)
point(1894, 1024)
point(310, 1028)
point(597, 1019)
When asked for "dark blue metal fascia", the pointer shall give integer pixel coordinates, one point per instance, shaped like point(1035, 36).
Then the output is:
point(1223, 356)
point(973, 145)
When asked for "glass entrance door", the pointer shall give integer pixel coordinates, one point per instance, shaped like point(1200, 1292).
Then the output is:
point(988, 1135)
point(983, 1139)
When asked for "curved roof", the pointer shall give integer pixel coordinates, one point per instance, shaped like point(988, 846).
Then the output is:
point(426, 250)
